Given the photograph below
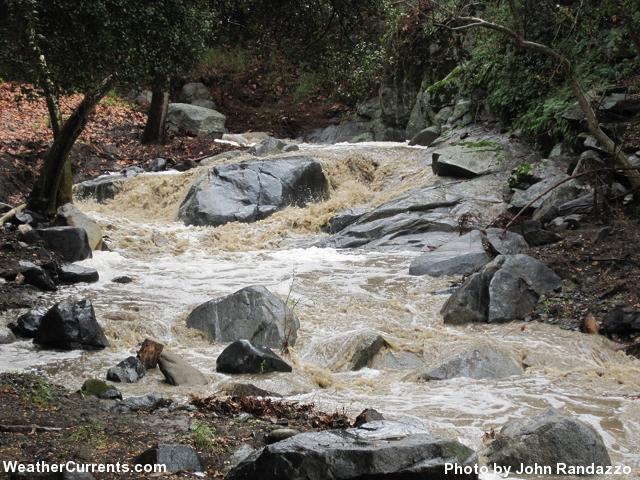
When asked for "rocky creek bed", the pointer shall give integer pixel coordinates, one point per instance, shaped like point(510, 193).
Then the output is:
point(349, 309)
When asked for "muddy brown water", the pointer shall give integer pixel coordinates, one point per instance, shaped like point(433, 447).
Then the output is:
point(337, 292)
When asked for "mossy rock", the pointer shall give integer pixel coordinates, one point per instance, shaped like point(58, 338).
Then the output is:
point(98, 388)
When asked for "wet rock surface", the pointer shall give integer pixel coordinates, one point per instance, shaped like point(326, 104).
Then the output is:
point(243, 357)
point(178, 372)
point(251, 191)
point(129, 370)
point(70, 325)
point(252, 313)
point(377, 450)
point(547, 439)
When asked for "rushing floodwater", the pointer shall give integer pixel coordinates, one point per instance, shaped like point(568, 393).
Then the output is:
point(337, 292)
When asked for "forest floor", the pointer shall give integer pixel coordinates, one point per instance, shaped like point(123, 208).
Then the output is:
point(85, 430)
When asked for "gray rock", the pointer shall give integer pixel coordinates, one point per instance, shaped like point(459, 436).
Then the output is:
point(175, 458)
point(71, 216)
point(251, 191)
point(368, 415)
point(129, 370)
point(194, 91)
point(204, 104)
point(547, 439)
point(426, 137)
point(6, 336)
point(463, 256)
point(71, 325)
point(194, 120)
point(158, 165)
point(178, 372)
point(522, 198)
point(149, 402)
point(71, 243)
point(380, 450)
point(390, 359)
point(242, 357)
point(552, 204)
point(268, 146)
point(36, 276)
point(506, 242)
point(28, 323)
point(506, 289)
point(239, 455)
point(101, 189)
point(346, 132)
point(344, 219)
point(245, 390)
point(468, 160)
point(349, 351)
point(252, 313)
point(70, 273)
point(280, 434)
point(483, 362)
point(534, 234)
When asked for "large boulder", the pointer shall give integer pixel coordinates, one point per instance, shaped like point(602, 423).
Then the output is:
point(178, 372)
point(100, 189)
point(194, 91)
point(175, 458)
point(462, 256)
point(425, 217)
point(547, 440)
point(71, 243)
point(251, 191)
point(70, 325)
point(484, 362)
point(130, 370)
point(194, 120)
point(506, 242)
point(468, 160)
point(252, 313)
point(242, 357)
point(70, 215)
point(378, 450)
point(531, 196)
point(506, 289)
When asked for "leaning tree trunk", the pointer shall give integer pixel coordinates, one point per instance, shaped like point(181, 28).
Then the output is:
point(156, 118)
point(621, 160)
point(54, 184)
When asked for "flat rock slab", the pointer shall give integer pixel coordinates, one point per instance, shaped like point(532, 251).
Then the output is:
point(70, 273)
point(462, 256)
point(467, 160)
point(378, 450)
point(250, 191)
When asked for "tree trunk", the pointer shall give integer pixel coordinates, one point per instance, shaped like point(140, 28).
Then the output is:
point(154, 129)
point(55, 181)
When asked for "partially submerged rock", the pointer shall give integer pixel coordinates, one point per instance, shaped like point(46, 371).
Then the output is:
point(242, 357)
point(98, 388)
point(250, 191)
point(102, 188)
point(178, 372)
point(70, 215)
point(130, 370)
point(547, 439)
point(70, 273)
point(483, 362)
point(28, 323)
point(252, 313)
point(71, 325)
